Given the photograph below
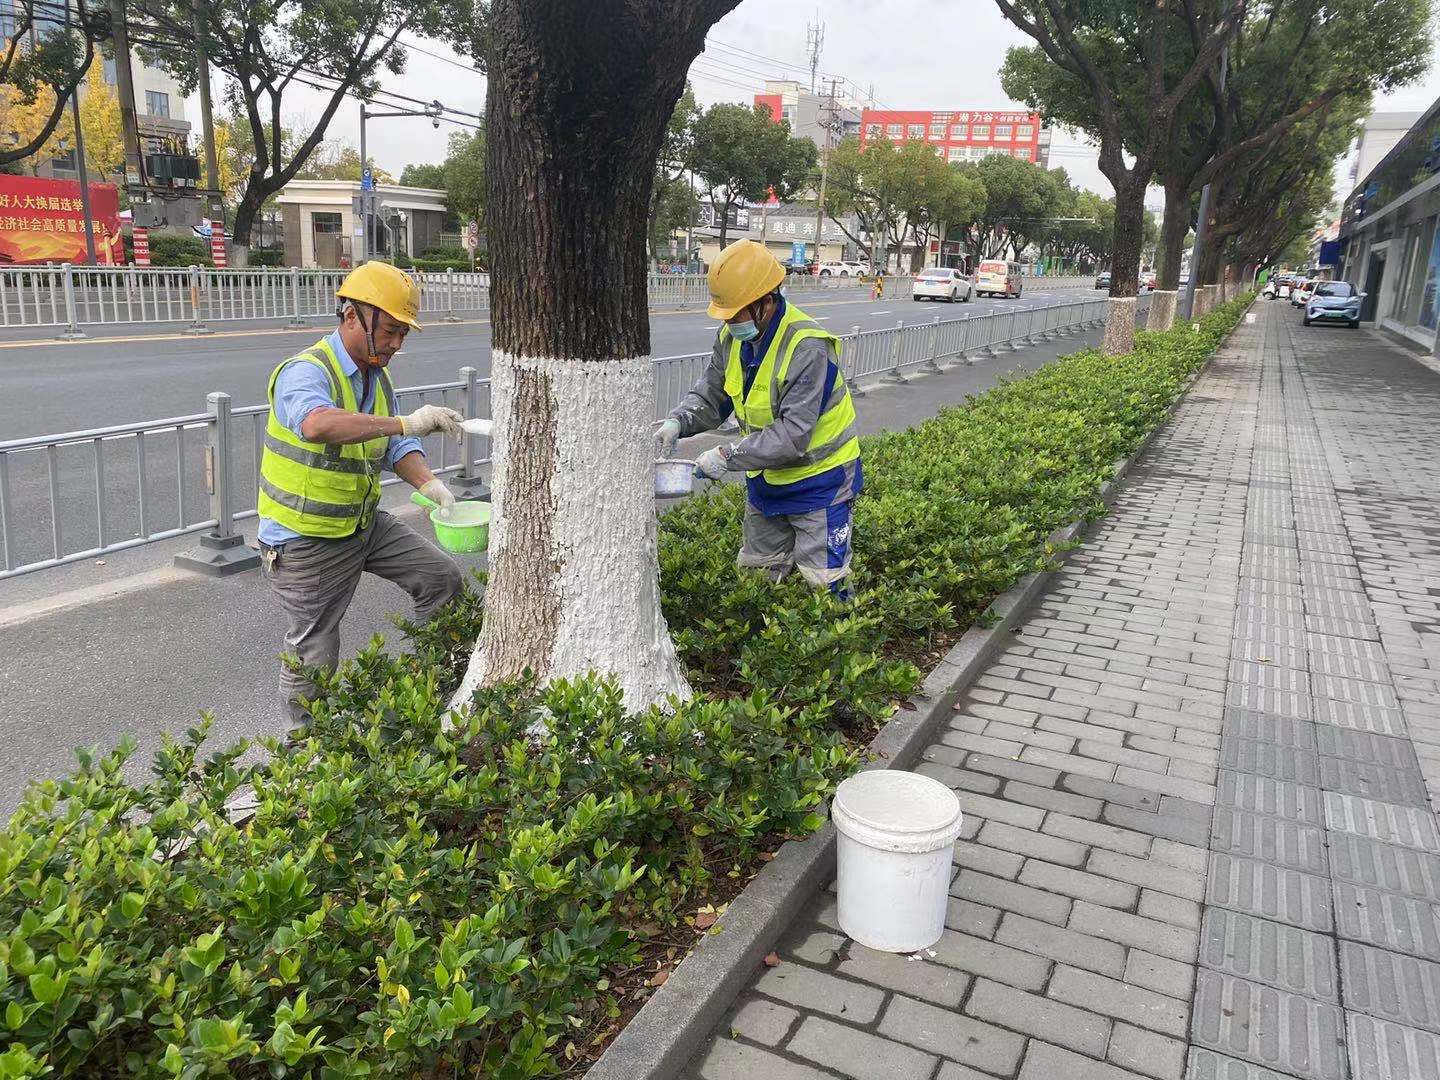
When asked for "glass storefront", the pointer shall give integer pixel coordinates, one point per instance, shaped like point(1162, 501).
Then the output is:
point(1429, 302)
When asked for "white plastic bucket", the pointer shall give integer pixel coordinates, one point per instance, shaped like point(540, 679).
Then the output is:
point(674, 477)
point(897, 835)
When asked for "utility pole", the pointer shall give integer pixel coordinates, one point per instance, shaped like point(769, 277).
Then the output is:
point(80, 168)
point(216, 211)
point(827, 126)
point(1202, 227)
point(125, 91)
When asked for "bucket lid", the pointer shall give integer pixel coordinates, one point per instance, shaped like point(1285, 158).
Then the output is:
point(896, 811)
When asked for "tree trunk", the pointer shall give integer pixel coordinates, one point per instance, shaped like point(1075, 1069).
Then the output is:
point(247, 210)
point(1172, 235)
point(573, 576)
point(1164, 300)
point(1125, 266)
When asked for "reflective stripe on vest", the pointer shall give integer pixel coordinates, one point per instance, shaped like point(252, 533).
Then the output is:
point(323, 489)
point(834, 440)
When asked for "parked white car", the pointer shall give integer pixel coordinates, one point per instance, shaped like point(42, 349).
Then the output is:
point(856, 269)
point(837, 269)
point(941, 283)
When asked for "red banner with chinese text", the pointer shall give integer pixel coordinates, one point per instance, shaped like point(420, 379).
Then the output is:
point(42, 221)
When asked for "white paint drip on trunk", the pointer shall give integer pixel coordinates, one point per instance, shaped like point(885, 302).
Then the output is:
point(602, 542)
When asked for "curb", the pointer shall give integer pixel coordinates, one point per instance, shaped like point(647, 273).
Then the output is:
point(662, 1037)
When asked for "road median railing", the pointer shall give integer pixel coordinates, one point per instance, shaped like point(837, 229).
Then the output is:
point(82, 494)
point(74, 298)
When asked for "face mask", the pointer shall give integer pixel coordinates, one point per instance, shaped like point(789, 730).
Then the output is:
point(745, 331)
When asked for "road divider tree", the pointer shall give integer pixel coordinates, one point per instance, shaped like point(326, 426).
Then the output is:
point(1104, 48)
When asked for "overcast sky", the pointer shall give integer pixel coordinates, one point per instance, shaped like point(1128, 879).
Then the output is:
point(919, 54)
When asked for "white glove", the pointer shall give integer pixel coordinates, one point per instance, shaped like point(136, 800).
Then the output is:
point(435, 490)
point(667, 434)
point(431, 418)
point(713, 464)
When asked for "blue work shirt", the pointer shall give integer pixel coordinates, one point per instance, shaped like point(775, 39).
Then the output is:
point(300, 390)
point(814, 492)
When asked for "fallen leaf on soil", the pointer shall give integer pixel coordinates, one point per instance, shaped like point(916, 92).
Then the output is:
point(772, 960)
point(908, 706)
point(766, 856)
point(658, 979)
point(705, 920)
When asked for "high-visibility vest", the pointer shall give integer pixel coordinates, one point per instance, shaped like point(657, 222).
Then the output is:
point(833, 442)
point(320, 489)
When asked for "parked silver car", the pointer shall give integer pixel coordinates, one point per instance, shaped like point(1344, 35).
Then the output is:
point(1334, 301)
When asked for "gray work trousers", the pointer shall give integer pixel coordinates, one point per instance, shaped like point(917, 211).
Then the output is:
point(816, 543)
point(315, 580)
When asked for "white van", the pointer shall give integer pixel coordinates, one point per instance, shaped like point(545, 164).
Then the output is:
point(996, 277)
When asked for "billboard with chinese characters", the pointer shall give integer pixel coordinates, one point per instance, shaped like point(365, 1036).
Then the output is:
point(42, 221)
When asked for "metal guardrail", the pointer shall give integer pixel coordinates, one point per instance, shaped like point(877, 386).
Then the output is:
point(71, 297)
point(74, 296)
point(112, 488)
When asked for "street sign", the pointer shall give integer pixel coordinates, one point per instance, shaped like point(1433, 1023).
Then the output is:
point(367, 180)
point(471, 238)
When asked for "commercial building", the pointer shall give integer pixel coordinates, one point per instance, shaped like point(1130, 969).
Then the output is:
point(786, 229)
point(324, 226)
point(961, 134)
point(1378, 137)
point(811, 115)
point(1389, 244)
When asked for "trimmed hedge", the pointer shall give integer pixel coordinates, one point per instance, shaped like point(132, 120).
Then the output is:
point(416, 901)
point(433, 265)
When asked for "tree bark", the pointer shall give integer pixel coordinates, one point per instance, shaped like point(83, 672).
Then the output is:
point(1172, 235)
point(573, 576)
point(1125, 266)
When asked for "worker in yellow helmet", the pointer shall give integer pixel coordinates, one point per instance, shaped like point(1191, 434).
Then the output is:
point(332, 428)
point(779, 373)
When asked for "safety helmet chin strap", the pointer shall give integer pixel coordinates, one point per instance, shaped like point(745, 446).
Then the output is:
point(372, 357)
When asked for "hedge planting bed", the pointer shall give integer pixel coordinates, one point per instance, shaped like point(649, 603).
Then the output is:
point(492, 895)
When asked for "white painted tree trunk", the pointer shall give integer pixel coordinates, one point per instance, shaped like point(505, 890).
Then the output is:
point(578, 527)
point(1162, 309)
point(1119, 326)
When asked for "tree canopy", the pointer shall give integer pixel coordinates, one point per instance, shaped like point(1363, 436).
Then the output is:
point(742, 155)
point(268, 48)
point(42, 62)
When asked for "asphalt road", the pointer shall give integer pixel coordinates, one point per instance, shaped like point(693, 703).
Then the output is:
point(53, 387)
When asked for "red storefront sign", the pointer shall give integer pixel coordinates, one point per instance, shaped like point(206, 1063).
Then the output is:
point(43, 221)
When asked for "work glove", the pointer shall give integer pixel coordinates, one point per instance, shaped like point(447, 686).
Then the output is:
point(432, 418)
point(667, 434)
point(713, 464)
point(435, 490)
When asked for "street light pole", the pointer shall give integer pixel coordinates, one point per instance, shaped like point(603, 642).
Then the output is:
point(434, 111)
point(364, 199)
point(1202, 227)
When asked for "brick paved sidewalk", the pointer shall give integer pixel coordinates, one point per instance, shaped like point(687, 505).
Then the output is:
point(1197, 838)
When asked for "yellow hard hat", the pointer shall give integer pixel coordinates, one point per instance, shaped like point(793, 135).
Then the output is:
point(386, 287)
point(744, 272)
